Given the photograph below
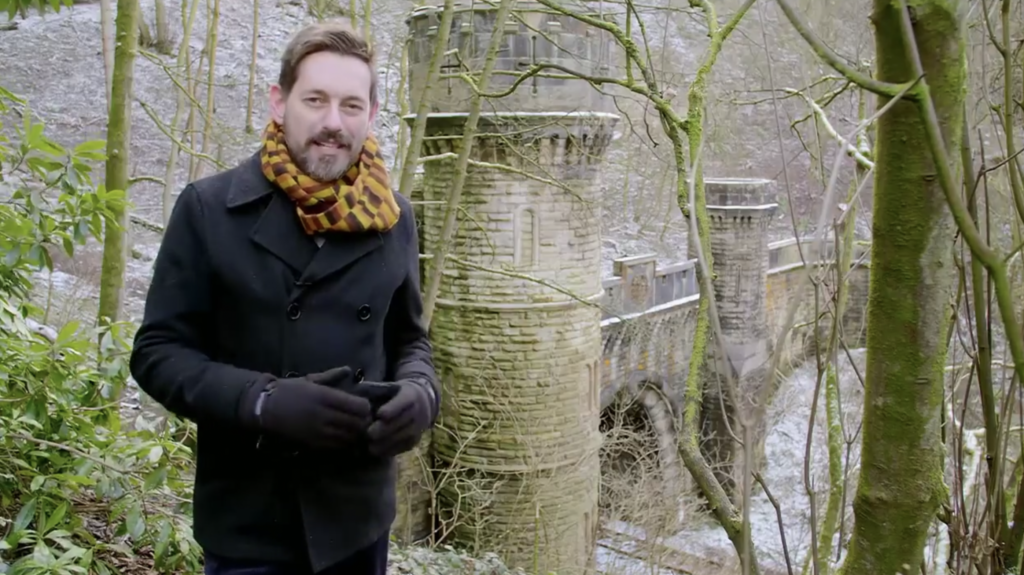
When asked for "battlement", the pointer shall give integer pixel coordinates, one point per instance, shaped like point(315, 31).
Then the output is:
point(533, 34)
point(738, 192)
point(569, 144)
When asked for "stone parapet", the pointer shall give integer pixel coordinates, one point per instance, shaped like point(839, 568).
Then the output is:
point(738, 192)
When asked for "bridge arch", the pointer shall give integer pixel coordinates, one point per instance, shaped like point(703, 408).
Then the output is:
point(640, 437)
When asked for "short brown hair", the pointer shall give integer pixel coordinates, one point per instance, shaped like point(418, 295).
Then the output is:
point(331, 36)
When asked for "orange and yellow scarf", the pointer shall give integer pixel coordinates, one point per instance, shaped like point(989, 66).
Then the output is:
point(361, 200)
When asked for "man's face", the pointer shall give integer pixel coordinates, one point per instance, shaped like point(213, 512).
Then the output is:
point(327, 114)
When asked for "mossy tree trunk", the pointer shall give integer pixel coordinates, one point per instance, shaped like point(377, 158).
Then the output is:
point(119, 130)
point(901, 487)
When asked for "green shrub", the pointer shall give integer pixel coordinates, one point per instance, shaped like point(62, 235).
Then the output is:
point(79, 492)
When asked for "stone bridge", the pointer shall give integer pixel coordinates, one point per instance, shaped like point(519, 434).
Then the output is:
point(531, 343)
point(648, 342)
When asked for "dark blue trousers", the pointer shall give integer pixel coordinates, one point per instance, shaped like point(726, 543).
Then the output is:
point(371, 560)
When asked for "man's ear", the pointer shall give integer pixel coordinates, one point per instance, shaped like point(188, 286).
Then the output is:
point(373, 111)
point(278, 98)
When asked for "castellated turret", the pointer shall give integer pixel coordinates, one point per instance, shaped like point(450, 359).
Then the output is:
point(516, 329)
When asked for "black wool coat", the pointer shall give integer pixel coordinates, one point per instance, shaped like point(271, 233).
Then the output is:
point(240, 292)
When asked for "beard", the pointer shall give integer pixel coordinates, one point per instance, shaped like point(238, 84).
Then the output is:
point(323, 167)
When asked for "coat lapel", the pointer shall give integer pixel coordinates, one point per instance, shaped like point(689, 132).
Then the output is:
point(277, 228)
point(280, 232)
point(339, 251)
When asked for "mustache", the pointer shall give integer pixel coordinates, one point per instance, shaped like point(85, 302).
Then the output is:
point(332, 137)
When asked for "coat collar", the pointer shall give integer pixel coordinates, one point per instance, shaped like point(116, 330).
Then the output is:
point(250, 184)
point(279, 231)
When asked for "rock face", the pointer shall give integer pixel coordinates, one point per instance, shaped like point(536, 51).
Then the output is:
point(516, 331)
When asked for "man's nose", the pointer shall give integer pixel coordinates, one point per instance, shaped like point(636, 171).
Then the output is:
point(332, 119)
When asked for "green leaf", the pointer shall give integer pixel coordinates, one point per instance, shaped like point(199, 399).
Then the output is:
point(69, 246)
point(67, 332)
point(43, 166)
point(34, 253)
point(12, 256)
point(90, 146)
point(71, 554)
point(47, 260)
point(42, 555)
point(155, 478)
point(4, 93)
point(37, 482)
point(134, 524)
point(25, 515)
point(56, 518)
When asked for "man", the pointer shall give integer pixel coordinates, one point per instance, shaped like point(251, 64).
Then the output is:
point(284, 288)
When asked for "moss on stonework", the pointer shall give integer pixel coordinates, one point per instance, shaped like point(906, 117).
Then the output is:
point(901, 487)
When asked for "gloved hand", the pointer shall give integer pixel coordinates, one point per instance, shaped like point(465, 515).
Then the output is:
point(400, 423)
point(312, 410)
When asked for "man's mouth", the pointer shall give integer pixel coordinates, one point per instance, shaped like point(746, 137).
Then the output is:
point(329, 144)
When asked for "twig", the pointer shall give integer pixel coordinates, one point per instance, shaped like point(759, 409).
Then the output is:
point(834, 60)
point(71, 450)
point(526, 277)
point(778, 515)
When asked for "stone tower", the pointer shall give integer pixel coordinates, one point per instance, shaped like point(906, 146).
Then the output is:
point(740, 211)
point(516, 334)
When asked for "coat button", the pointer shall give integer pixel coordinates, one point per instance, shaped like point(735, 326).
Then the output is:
point(293, 311)
point(364, 312)
point(359, 375)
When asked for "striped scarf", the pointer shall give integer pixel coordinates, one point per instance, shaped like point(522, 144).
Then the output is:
point(360, 201)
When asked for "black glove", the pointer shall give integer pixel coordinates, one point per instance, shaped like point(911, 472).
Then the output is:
point(311, 409)
point(400, 422)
